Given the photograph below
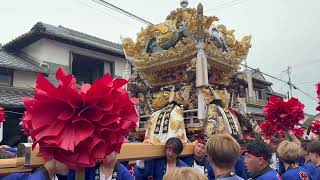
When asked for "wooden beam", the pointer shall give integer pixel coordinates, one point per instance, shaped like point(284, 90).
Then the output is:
point(8, 163)
point(20, 169)
point(129, 152)
point(140, 151)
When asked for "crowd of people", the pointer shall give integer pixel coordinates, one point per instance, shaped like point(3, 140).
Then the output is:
point(222, 157)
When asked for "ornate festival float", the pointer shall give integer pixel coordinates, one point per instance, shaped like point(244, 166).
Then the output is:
point(184, 73)
point(185, 77)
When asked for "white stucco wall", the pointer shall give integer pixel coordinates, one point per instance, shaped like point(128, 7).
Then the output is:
point(59, 53)
point(24, 79)
point(45, 50)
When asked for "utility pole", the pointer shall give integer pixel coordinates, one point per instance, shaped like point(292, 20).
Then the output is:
point(289, 82)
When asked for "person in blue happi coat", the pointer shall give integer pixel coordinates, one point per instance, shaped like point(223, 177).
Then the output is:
point(199, 160)
point(223, 151)
point(314, 155)
point(257, 161)
point(108, 168)
point(301, 160)
point(157, 168)
point(308, 165)
point(46, 172)
point(289, 152)
point(240, 169)
point(282, 169)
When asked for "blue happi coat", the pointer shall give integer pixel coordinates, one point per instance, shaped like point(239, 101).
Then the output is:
point(207, 167)
point(239, 167)
point(155, 168)
point(298, 173)
point(120, 173)
point(312, 170)
point(267, 174)
point(39, 174)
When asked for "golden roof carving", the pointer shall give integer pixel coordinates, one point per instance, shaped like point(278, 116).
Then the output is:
point(173, 43)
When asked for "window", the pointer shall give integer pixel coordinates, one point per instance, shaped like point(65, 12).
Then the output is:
point(6, 76)
point(87, 69)
point(259, 94)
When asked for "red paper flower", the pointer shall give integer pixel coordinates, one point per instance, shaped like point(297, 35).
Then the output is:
point(318, 92)
point(2, 115)
point(268, 129)
point(298, 132)
point(315, 127)
point(78, 125)
point(283, 115)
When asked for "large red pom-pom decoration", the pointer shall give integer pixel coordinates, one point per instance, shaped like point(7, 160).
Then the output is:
point(298, 132)
point(78, 125)
point(315, 127)
point(284, 115)
point(268, 129)
point(318, 92)
point(2, 115)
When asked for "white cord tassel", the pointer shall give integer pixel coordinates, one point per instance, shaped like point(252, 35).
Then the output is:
point(202, 107)
point(201, 68)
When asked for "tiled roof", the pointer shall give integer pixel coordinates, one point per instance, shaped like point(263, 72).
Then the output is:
point(10, 60)
point(11, 96)
point(65, 35)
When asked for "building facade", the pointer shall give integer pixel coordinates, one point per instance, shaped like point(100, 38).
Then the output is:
point(259, 90)
point(44, 49)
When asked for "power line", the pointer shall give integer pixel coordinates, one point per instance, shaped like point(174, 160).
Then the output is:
point(122, 11)
point(282, 73)
point(314, 98)
point(266, 74)
point(222, 4)
point(289, 82)
point(306, 63)
point(294, 86)
point(310, 82)
point(99, 10)
point(226, 4)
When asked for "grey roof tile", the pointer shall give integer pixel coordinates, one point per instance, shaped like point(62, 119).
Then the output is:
point(68, 35)
point(11, 96)
point(10, 60)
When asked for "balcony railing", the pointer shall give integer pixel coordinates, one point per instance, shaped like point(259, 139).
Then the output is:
point(255, 101)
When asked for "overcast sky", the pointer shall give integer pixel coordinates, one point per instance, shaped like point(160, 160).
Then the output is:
point(285, 32)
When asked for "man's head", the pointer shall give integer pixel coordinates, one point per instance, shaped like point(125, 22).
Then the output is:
point(304, 146)
point(289, 152)
point(223, 151)
point(274, 143)
point(200, 149)
point(185, 173)
point(257, 156)
point(314, 152)
point(173, 148)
